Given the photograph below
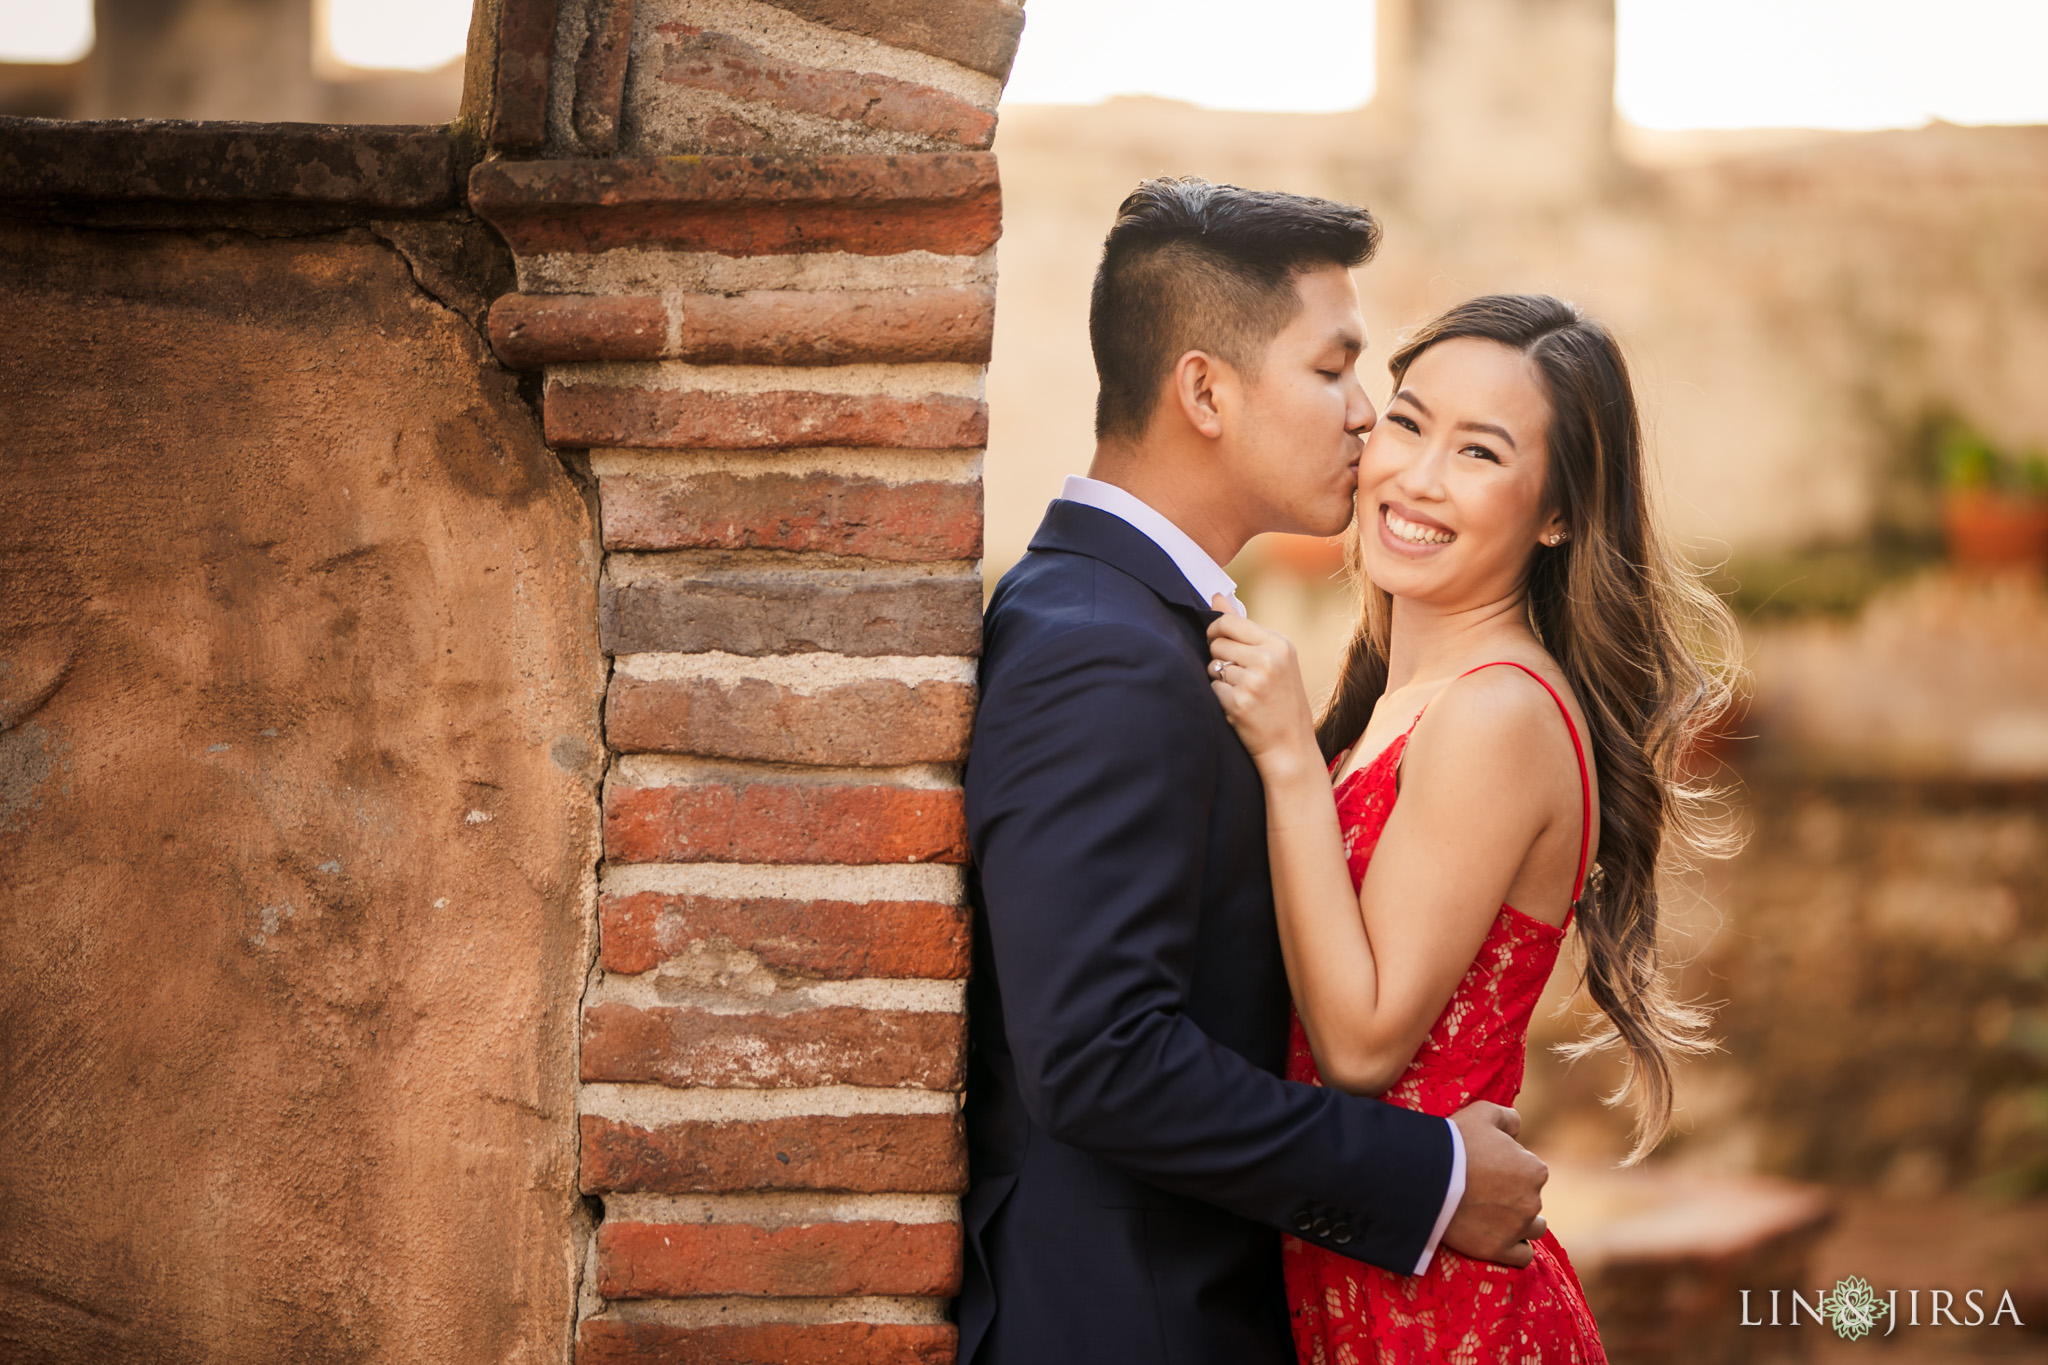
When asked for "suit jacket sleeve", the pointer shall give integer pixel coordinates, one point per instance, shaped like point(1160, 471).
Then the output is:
point(1089, 792)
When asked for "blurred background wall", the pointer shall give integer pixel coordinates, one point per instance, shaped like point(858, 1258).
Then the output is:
point(362, 61)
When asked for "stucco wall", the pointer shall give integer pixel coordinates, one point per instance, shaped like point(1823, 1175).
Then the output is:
point(299, 743)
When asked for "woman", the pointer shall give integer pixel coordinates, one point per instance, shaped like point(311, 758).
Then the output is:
point(1531, 668)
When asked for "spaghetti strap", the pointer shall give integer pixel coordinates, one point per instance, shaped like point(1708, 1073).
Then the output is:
point(1578, 751)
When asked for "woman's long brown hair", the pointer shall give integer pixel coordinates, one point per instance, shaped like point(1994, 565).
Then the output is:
point(1649, 651)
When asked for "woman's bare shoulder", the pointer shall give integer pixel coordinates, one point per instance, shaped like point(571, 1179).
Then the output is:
point(1497, 723)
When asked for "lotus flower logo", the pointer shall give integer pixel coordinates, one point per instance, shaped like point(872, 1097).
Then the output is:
point(1853, 1308)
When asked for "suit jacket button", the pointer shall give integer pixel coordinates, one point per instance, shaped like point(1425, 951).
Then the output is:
point(1322, 1227)
point(1341, 1233)
point(1302, 1221)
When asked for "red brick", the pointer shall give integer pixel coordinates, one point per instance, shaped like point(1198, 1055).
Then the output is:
point(665, 605)
point(763, 327)
point(838, 940)
point(526, 50)
point(860, 1153)
point(825, 513)
point(839, 327)
point(610, 1341)
point(532, 330)
point(979, 34)
point(821, 1260)
point(584, 415)
point(876, 722)
point(730, 66)
point(944, 202)
point(601, 75)
point(780, 820)
point(680, 1045)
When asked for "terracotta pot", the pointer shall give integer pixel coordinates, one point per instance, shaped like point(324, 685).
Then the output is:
point(1990, 531)
point(1311, 557)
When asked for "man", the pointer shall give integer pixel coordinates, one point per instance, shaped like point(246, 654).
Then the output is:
point(1135, 1154)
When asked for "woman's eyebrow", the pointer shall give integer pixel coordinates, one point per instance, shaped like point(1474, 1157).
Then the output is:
point(1408, 396)
point(1491, 430)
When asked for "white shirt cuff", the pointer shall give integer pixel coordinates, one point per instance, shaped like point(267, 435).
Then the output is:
point(1452, 1196)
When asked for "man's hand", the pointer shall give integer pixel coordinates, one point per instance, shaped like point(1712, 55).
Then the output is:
point(1502, 1211)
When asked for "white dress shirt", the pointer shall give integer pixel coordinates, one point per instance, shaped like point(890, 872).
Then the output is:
point(1207, 578)
point(1204, 573)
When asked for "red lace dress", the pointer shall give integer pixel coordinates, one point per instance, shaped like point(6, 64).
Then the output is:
point(1460, 1310)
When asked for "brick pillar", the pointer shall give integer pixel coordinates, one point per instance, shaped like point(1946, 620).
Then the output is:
point(755, 250)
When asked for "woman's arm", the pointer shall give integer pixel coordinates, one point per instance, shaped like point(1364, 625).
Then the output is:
point(1372, 970)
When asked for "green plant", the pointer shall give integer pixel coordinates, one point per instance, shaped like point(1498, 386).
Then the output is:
point(2033, 472)
point(1969, 463)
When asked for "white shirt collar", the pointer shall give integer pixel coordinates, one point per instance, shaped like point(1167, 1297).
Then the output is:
point(1203, 574)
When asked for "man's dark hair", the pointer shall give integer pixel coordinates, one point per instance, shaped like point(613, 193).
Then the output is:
point(1192, 265)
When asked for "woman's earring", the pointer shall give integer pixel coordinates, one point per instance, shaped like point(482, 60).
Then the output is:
point(1558, 538)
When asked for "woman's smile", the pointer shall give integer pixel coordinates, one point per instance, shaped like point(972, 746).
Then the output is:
point(1410, 532)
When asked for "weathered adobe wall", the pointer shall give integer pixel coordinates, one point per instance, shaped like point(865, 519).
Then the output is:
point(299, 747)
point(755, 251)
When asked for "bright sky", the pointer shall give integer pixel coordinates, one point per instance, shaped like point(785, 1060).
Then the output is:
point(416, 35)
point(1681, 63)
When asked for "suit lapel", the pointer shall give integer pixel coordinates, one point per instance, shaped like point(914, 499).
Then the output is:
point(1076, 528)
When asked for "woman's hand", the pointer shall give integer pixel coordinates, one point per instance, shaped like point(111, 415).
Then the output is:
point(1254, 673)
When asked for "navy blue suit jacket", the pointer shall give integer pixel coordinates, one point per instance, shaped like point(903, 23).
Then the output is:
point(1134, 1151)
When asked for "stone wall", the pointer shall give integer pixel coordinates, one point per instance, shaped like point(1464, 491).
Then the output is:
point(1887, 972)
